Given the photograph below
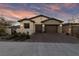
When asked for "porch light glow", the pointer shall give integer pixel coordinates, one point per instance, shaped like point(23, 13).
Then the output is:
point(21, 25)
point(60, 25)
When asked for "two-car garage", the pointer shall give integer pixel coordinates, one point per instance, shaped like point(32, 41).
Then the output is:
point(50, 26)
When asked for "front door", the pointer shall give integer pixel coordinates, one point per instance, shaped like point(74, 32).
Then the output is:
point(38, 28)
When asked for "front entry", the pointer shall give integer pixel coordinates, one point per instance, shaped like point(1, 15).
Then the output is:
point(38, 28)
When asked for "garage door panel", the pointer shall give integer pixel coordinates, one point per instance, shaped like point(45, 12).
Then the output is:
point(75, 29)
point(51, 28)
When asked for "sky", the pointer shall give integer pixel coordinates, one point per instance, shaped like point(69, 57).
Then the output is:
point(62, 11)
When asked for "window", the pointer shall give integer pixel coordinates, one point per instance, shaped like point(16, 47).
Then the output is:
point(26, 25)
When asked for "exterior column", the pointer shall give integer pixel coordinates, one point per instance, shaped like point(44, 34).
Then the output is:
point(43, 27)
point(60, 28)
point(69, 29)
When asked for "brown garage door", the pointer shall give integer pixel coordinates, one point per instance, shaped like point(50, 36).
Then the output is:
point(75, 30)
point(51, 28)
point(38, 28)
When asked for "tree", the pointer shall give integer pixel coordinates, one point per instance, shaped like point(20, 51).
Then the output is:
point(3, 25)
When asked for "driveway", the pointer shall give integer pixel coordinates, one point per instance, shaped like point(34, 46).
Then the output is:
point(42, 45)
point(53, 38)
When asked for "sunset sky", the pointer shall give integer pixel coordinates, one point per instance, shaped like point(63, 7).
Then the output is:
point(58, 10)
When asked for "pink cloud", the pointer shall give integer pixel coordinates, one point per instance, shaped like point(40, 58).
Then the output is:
point(58, 9)
point(55, 7)
point(17, 13)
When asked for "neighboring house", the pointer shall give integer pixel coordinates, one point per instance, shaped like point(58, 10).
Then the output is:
point(71, 28)
point(39, 24)
point(9, 22)
point(11, 27)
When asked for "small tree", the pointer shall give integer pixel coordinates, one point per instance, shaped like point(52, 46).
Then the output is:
point(3, 26)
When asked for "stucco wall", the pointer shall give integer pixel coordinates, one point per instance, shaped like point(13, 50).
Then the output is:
point(52, 22)
point(39, 19)
point(31, 30)
point(67, 29)
point(60, 28)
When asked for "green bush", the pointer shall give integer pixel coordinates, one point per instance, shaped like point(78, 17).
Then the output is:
point(2, 32)
point(27, 36)
point(19, 37)
point(24, 37)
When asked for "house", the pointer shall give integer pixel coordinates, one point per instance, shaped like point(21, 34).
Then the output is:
point(71, 28)
point(39, 24)
point(11, 27)
point(26, 25)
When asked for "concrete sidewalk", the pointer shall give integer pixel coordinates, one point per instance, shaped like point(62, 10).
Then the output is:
point(38, 49)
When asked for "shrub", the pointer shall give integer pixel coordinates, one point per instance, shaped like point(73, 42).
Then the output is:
point(27, 35)
point(19, 37)
point(24, 37)
point(67, 33)
point(2, 32)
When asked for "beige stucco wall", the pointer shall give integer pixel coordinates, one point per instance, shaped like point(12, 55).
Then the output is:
point(31, 30)
point(39, 19)
point(67, 29)
point(52, 22)
point(60, 28)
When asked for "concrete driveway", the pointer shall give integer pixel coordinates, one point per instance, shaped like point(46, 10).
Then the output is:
point(53, 38)
point(42, 45)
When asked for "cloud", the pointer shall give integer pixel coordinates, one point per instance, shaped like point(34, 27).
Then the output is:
point(23, 13)
point(55, 7)
point(17, 13)
point(70, 5)
point(30, 10)
point(8, 10)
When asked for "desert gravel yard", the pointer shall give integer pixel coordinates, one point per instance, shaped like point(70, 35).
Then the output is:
point(42, 45)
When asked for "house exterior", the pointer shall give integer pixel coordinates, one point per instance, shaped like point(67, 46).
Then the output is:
point(11, 27)
point(26, 25)
point(71, 28)
point(39, 24)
